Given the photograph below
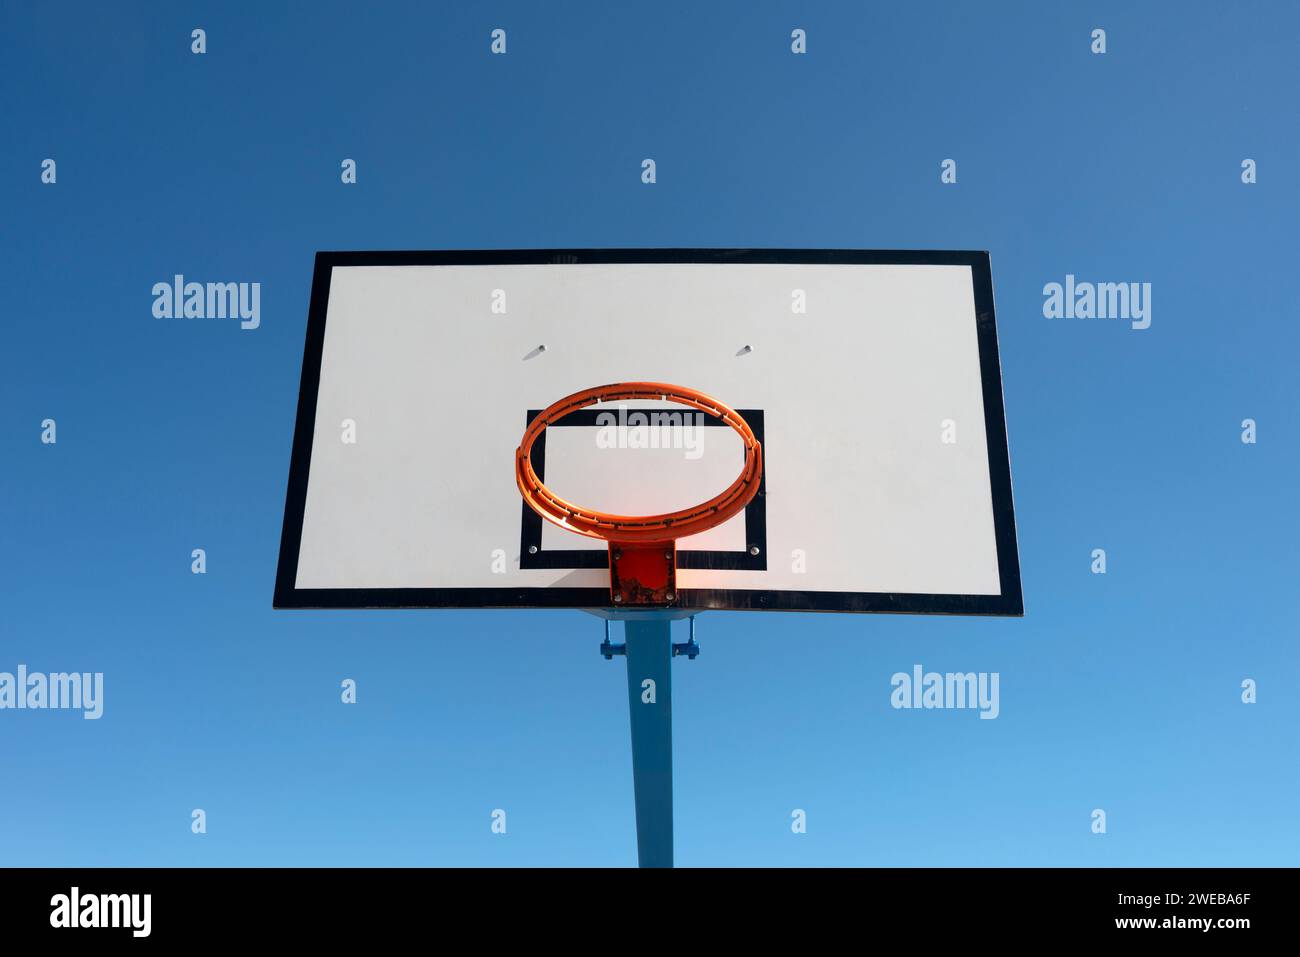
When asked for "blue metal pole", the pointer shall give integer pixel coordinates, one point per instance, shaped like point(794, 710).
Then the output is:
point(649, 659)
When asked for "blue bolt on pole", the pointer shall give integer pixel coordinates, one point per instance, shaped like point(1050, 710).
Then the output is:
point(649, 659)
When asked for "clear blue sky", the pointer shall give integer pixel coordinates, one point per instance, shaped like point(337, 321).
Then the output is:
point(1118, 692)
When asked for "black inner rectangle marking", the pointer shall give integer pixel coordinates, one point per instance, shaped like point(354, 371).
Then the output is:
point(532, 555)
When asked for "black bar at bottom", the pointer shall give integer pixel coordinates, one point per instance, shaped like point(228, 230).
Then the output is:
point(336, 905)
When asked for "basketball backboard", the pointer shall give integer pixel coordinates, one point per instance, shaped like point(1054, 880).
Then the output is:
point(871, 380)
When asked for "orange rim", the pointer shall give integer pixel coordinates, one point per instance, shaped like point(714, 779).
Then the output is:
point(639, 528)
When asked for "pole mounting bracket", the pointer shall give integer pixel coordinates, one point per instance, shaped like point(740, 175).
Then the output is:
point(690, 647)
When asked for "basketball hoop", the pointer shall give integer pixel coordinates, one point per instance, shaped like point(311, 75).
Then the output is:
point(642, 548)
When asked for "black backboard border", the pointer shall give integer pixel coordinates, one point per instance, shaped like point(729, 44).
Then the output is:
point(1008, 603)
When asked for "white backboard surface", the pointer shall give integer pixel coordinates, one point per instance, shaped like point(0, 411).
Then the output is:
point(871, 378)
